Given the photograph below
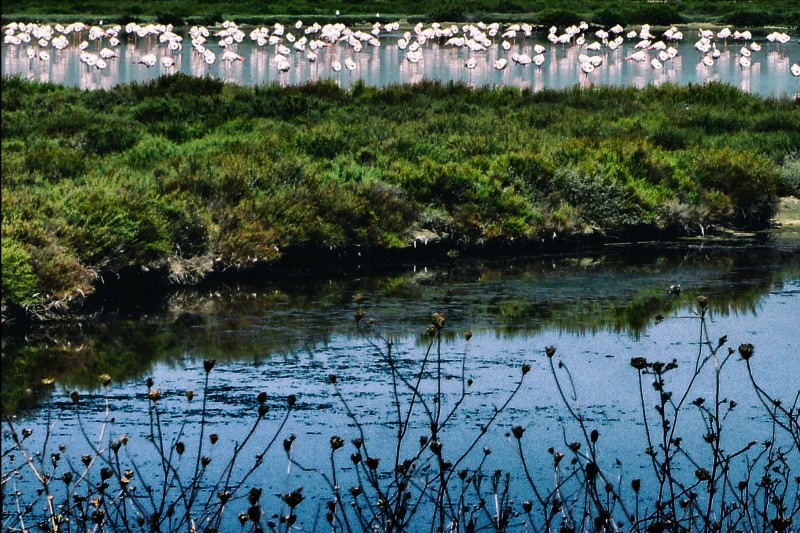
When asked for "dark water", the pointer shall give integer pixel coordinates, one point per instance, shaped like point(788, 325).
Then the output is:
point(286, 336)
point(768, 74)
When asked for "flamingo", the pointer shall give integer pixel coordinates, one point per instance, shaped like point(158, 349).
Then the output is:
point(230, 56)
point(501, 63)
point(796, 70)
point(148, 60)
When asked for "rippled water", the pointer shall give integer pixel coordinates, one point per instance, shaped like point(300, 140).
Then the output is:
point(769, 73)
point(286, 338)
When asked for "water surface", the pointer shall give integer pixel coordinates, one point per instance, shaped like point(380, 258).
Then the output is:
point(768, 75)
point(286, 337)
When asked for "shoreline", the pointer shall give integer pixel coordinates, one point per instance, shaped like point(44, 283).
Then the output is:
point(155, 282)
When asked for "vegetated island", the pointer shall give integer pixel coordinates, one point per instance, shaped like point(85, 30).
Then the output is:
point(184, 177)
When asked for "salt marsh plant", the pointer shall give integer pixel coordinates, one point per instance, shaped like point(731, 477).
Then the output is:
point(212, 174)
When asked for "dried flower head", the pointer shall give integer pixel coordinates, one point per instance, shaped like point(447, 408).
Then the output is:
point(518, 431)
point(550, 351)
point(208, 365)
point(639, 363)
point(746, 351)
point(105, 379)
point(337, 442)
point(438, 319)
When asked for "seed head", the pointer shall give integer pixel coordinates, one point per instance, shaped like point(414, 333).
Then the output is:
point(372, 463)
point(518, 431)
point(190, 395)
point(180, 447)
point(702, 301)
point(746, 351)
point(639, 363)
point(75, 396)
point(436, 447)
point(208, 365)
point(550, 351)
point(527, 506)
point(438, 320)
point(262, 397)
point(336, 442)
point(105, 379)
point(213, 438)
point(526, 368)
point(468, 334)
point(154, 395)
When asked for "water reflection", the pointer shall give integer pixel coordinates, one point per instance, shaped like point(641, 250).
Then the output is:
point(768, 74)
point(609, 293)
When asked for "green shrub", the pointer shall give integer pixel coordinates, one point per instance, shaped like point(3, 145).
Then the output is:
point(609, 17)
point(56, 163)
point(560, 18)
point(749, 180)
point(19, 279)
point(114, 228)
point(790, 175)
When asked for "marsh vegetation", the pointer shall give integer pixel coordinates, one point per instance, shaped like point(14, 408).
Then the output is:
point(186, 176)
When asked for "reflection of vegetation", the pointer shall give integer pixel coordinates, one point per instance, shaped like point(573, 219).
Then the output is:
point(208, 175)
point(512, 297)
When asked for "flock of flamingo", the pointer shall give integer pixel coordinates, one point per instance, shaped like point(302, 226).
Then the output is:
point(98, 43)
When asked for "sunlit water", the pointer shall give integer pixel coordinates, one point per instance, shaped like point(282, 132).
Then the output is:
point(288, 339)
point(768, 74)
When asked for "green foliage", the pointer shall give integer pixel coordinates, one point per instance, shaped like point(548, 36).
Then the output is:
point(790, 175)
point(180, 166)
point(19, 280)
point(557, 17)
point(750, 181)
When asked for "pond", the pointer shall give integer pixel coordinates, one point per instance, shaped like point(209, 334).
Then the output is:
point(391, 60)
point(287, 335)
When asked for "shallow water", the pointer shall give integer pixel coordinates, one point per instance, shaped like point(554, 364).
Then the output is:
point(768, 75)
point(287, 336)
